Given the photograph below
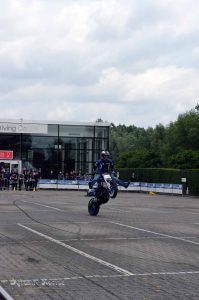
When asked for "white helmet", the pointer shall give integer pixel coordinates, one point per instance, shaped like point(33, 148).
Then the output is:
point(103, 153)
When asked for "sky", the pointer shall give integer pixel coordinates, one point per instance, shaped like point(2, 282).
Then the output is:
point(132, 62)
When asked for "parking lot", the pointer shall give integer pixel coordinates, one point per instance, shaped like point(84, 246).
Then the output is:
point(140, 246)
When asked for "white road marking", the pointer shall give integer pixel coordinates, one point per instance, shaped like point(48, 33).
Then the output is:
point(17, 210)
point(9, 211)
point(70, 222)
point(98, 260)
point(60, 281)
point(157, 233)
point(140, 209)
point(120, 210)
point(55, 208)
point(5, 294)
point(150, 210)
point(127, 238)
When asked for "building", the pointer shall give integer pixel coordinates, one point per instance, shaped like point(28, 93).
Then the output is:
point(51, 146)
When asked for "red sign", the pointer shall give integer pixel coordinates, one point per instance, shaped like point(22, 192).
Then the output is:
point(6, 154)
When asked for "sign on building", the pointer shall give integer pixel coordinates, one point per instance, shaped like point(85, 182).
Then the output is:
point(23, 128)
point(6, 154)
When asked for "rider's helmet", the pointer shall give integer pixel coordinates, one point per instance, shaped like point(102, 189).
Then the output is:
point(103, 154)
point(107, 153)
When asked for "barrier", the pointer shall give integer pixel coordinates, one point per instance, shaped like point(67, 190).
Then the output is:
point(167, 188)
point(83, 184)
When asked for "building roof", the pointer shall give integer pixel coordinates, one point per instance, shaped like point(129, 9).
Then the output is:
point(50, 122)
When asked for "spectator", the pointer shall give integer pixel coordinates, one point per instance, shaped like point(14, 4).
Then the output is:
point(60, 176)
point(14, 180)
point(67, 176)
point(35, 179)
point(51, 174)
point(39, 173)
point(21, 180)
point(26, 180)
point(7, 176)
point(1, 180)
point(133, 177)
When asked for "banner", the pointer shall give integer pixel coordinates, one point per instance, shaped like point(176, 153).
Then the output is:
point(23, 128)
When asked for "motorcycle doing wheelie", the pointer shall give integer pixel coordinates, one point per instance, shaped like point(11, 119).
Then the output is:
point(106, 189)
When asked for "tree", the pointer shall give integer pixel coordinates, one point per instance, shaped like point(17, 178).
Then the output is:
point(140, 158)
point(197, 107)
point(186, 159)
point(156, 147)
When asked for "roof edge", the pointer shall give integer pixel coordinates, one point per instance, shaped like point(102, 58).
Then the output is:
point(50, 122)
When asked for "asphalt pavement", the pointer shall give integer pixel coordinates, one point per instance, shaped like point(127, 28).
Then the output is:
point(140, 246)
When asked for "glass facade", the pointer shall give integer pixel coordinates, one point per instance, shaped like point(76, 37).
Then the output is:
point(64, 147)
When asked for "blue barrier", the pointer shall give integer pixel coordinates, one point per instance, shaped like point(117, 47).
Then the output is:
point(83, 182)
point(133, 186)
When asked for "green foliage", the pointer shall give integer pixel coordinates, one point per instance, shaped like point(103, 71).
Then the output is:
point(138, 158)
point(175, 145)
point(184, 133)
point(186, 159)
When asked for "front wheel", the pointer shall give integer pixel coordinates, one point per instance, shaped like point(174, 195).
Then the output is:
point(93, 207)
point(113, 190)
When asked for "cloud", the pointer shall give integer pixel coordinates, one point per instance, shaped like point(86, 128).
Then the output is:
point(126, 62)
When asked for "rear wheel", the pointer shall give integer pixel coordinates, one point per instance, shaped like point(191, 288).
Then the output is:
point(93, 207)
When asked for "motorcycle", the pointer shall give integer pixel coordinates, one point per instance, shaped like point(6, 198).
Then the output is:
point(106, 189)
point(113, 190)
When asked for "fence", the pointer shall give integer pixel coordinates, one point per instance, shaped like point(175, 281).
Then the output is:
point(133, 186)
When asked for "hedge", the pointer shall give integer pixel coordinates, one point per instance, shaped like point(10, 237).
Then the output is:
point(156, 175)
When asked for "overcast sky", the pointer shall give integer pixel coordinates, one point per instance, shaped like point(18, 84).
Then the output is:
point(132, 62)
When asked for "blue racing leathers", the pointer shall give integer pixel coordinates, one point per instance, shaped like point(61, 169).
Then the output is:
point(101, 166)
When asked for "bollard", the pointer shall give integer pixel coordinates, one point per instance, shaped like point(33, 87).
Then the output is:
point(184, 186)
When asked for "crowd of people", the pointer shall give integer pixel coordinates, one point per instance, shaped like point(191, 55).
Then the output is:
point(73, 176)
point(27, 179)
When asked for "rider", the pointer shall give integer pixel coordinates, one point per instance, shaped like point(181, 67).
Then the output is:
point(105, 165)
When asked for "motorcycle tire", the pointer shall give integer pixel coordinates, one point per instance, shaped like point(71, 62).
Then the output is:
point(113, 190)
point(93, 207)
